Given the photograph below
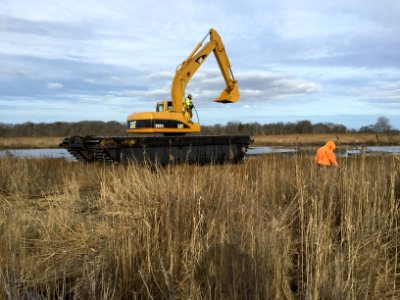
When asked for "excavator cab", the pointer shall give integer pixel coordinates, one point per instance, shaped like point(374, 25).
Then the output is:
point(164, 106)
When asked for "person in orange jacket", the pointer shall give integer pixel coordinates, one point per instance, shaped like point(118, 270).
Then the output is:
point(325, 155)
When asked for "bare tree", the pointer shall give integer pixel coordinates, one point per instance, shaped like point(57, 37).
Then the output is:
point(382, 125)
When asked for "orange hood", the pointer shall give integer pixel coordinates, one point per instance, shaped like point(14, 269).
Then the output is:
point(331, 145)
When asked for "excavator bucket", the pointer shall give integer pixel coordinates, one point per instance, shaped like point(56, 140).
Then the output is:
point(229, 96)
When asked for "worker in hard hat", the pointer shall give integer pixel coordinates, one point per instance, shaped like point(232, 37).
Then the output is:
point(325, 155)
point(189, 105)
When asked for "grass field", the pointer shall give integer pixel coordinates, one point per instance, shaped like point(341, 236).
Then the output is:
point(272, 227)
point(351, 139)
point(29, 142)
point(266, 140)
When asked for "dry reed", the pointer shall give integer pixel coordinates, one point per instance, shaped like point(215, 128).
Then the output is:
point(273, 227)
point(29, 142)
point(350, 139)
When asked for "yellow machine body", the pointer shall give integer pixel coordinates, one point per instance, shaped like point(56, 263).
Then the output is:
point(164, 120)
point(171, 117)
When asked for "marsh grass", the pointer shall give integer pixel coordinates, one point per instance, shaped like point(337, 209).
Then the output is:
point(29, 142)
point(273, 227)
point(349, 139)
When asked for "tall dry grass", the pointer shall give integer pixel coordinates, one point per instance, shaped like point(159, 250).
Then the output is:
point(29, 142)
point(350, 139)
point(273, 227)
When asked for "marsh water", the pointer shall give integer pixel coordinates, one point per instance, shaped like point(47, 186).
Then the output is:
point(37, 153)
point(252, 151)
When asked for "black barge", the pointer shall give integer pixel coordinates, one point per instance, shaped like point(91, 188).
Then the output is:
point(161, 150)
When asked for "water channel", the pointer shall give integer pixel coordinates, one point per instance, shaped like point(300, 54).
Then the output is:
point(252, 151)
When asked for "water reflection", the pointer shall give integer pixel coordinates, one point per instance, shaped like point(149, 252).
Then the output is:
point(37, 153)
point(269, 150)
point(365, 150)
point(373, 149)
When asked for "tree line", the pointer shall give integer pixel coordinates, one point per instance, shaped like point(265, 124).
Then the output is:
point(382, 125)
point(114, 128)
point(62, 129)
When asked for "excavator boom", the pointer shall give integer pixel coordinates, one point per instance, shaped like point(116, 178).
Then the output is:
point(193, 62)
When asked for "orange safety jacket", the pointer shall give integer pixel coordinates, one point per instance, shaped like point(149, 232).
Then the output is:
point(325, 155)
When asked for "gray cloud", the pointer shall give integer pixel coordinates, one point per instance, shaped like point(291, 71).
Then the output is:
point(59, 30)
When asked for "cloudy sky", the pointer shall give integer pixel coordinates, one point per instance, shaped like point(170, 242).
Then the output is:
point(324, 61)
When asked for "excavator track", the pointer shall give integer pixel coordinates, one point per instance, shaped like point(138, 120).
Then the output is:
point(158, 149)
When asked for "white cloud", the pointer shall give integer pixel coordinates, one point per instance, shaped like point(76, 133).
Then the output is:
point(156, 94)
point(162, 75)
point(253, 85)
point(54, 85)
point(89, 80)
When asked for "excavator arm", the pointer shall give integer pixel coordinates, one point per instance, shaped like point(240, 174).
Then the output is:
point(169, 117)
point(188, 68)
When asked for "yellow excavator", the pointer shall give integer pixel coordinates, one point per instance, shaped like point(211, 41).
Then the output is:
point(171, 117)
point(173, 121)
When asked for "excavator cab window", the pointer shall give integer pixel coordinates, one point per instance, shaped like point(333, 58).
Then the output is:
point(164, 106)
point(160, 107)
